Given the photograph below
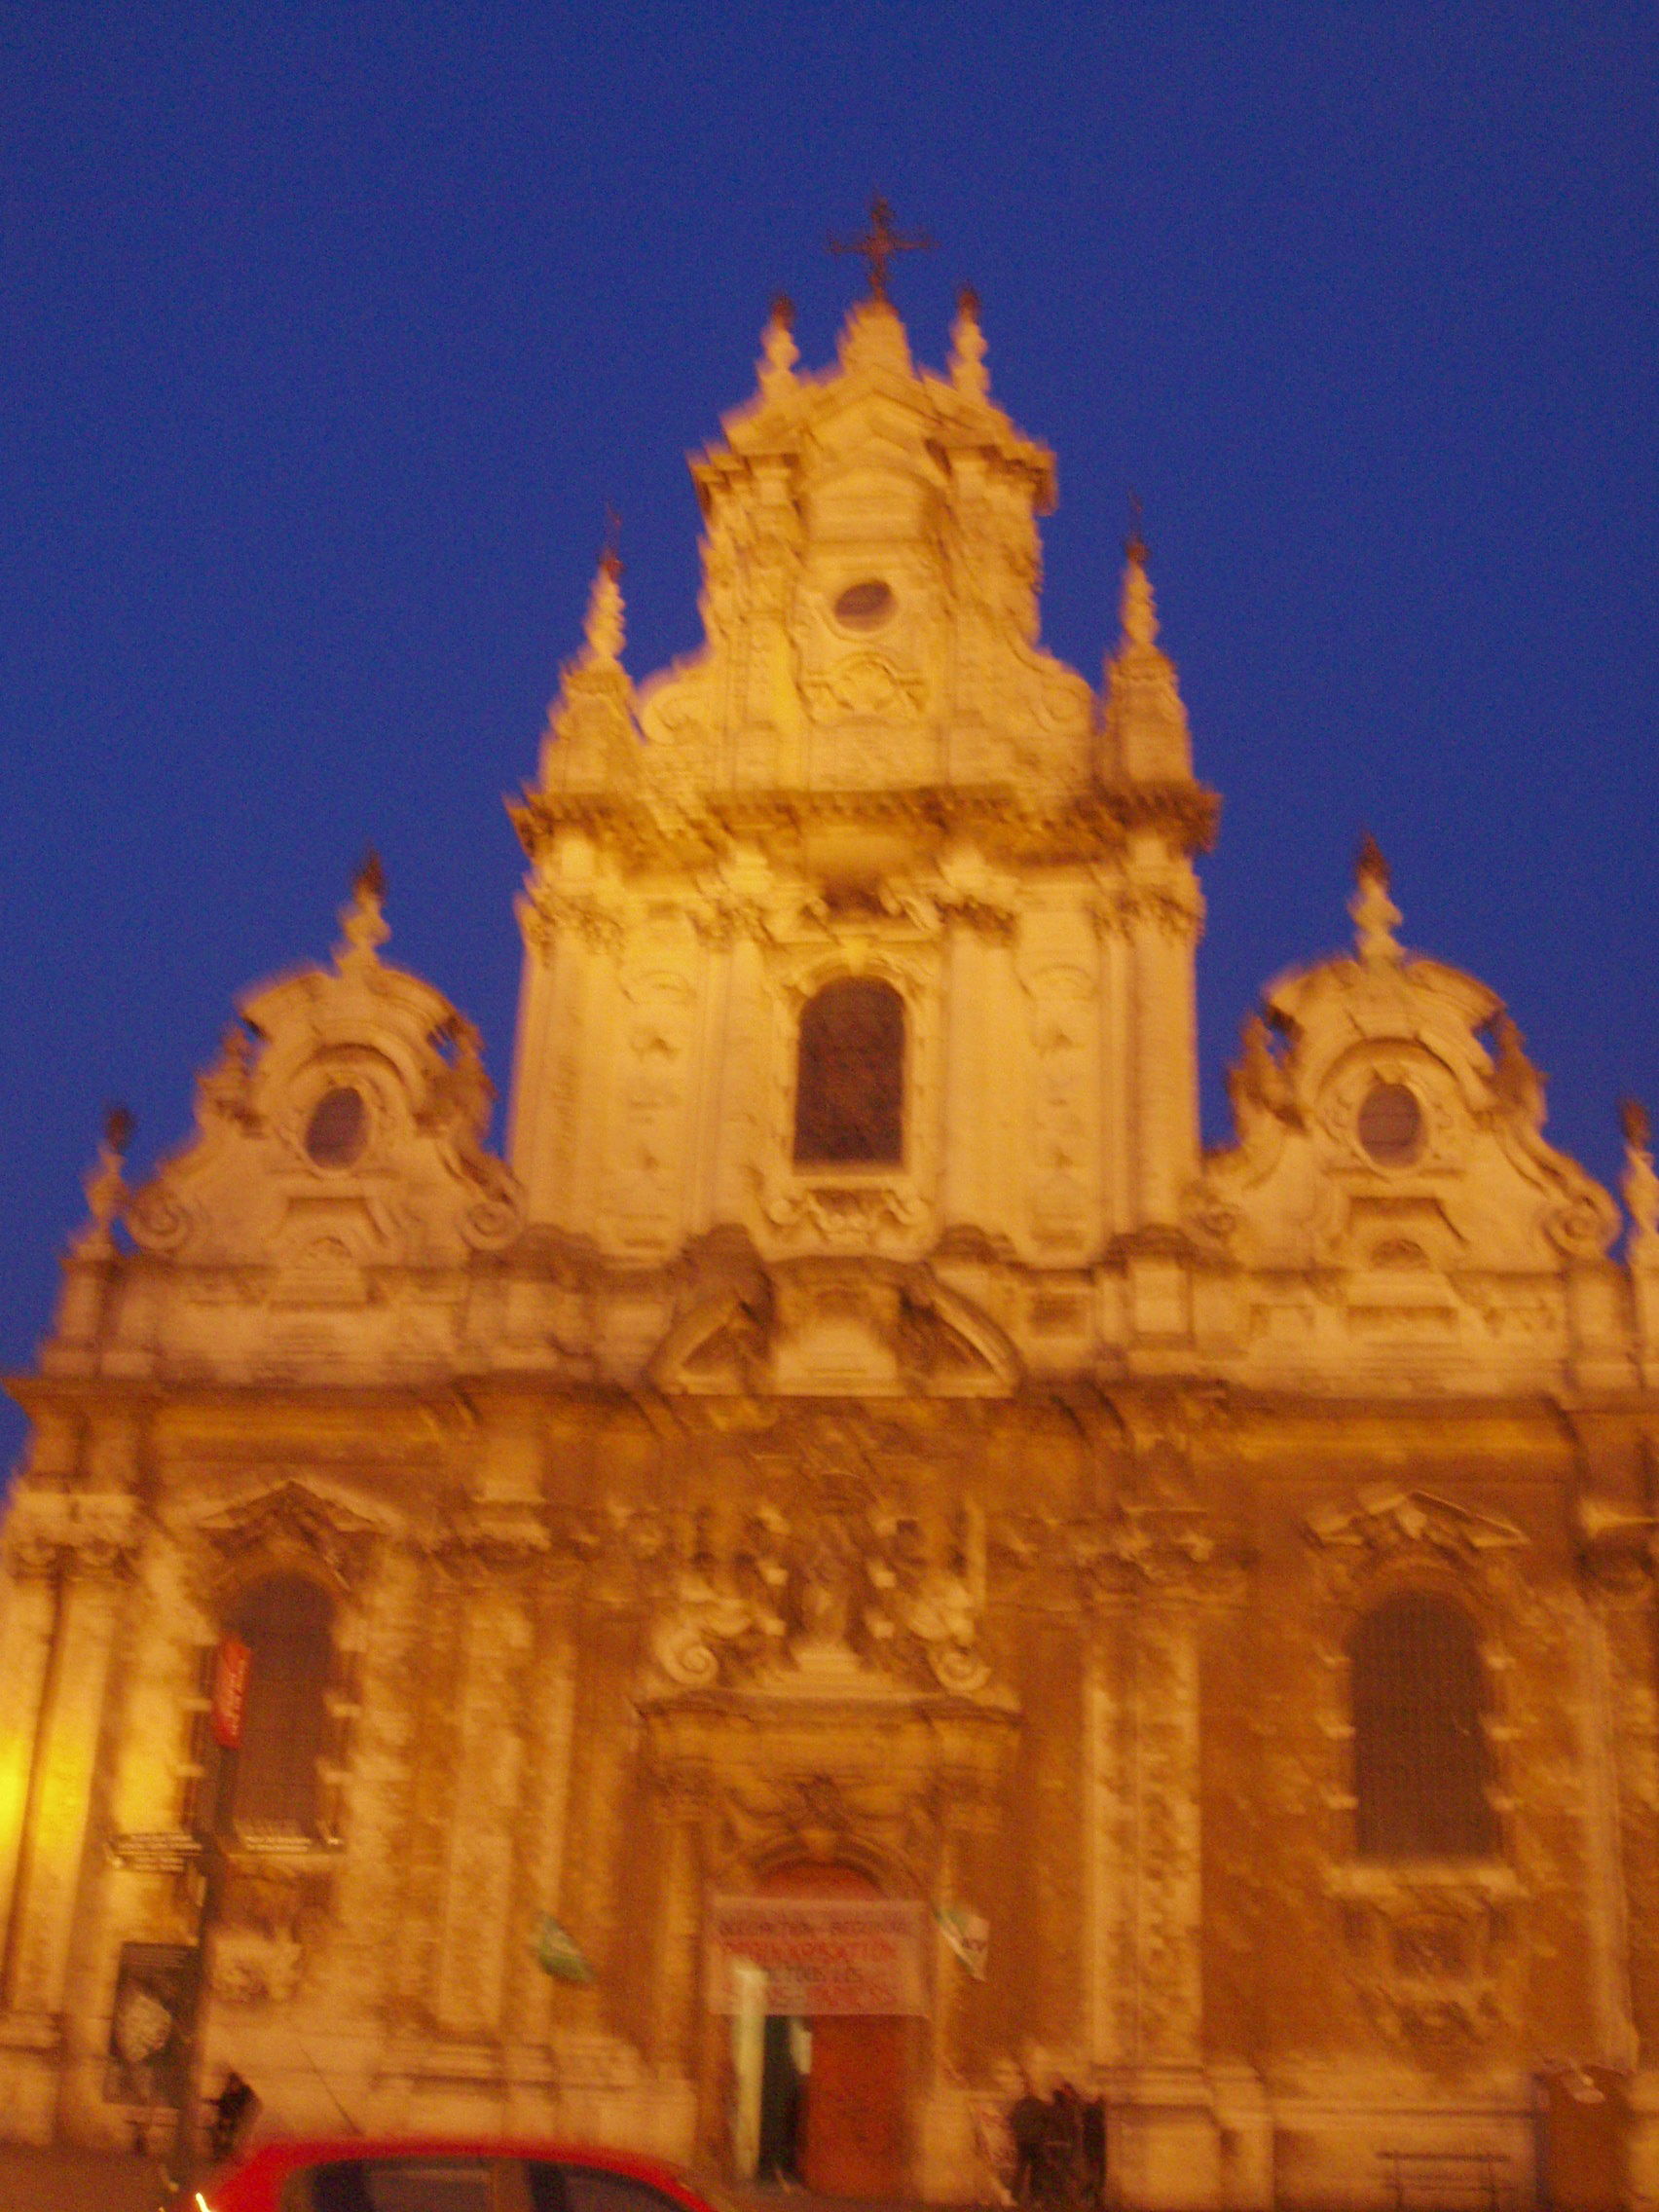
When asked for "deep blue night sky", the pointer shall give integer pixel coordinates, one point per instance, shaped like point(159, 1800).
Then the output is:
point(330, 330)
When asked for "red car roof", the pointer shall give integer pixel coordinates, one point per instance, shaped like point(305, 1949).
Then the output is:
point(254, 2183)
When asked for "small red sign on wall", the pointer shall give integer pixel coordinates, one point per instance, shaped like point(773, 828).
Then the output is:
point(231, 1670)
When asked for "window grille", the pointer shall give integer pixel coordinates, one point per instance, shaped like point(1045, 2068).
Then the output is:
point(1419, 1750)
point(850, 1085)
point(287, 1624)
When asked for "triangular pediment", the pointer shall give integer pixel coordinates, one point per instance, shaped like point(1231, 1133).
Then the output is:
point(291, 1525)
point(1386, 1519)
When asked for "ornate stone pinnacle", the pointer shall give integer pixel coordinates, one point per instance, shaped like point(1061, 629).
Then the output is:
point(104, 1186)
point(119, 1124)
point(1375, 914)
point(603, 629)
point(779, 352)
point(363, 922)
point(1641, 1183)
point(1139, 609)
point(968, 370)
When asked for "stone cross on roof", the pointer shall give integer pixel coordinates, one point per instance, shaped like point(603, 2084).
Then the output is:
point(880, 242)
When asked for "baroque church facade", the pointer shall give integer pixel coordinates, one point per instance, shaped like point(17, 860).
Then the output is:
point(856, 1470)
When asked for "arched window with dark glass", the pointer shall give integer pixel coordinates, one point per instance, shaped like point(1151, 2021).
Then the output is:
point(1419, 1748)
point(287, 1624)
point(850, 1081)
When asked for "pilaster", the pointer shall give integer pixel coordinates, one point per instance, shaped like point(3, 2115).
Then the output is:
point(478, 1913)
point(557, 1121)
point(1162, 914)
point(90, 1582)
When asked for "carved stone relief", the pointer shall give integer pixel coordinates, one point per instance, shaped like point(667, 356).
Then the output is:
point(294, 1521)
point(788, 1600)
point(1433, 1953)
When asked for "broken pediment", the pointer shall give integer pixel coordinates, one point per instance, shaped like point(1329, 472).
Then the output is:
point(1385, 1520)
point(293, 1525)
point(825, 1327)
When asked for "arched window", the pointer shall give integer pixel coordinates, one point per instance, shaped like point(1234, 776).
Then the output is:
point(1419, 1752)
point(850, 1084)
point(287, 1625)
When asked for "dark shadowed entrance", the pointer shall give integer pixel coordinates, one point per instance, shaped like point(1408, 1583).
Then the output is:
point(849, 2102)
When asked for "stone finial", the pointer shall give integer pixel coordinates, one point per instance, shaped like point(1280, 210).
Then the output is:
point(225, 1087)
point(1516, 1083)
point(365, 927)
point(1641, 1183)
point(968, 372)
point(105, 1186)
point(603, 628)
point(1147, 737)
point(1375, 914)
point(1138, 609)
point(779, 352)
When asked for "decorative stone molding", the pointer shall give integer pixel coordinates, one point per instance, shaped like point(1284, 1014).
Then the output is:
point(1173, 910)
point(488, 1551)
point(1617, 1546)
point(865, 684)
point(834, 1324)
point(1385, 1523)
point(71, 1534)
point(294, 1522)
point(845, 1215)
point(548, 914)
point(1169, 1549)
point(791, 1602)
point(1433, 1951)
point(723, 918)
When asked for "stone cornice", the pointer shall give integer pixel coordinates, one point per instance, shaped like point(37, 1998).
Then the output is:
point(1082, 826)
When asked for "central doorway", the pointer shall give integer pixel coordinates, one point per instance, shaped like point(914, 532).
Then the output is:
point(834, 2091)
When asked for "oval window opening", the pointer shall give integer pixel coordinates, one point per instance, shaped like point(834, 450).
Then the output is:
point(1391, 1124)
point(865, 606)
point(337, 1129)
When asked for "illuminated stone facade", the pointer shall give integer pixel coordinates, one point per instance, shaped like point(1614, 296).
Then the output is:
point(953, 1478)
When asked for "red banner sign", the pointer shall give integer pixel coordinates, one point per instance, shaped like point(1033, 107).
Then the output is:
point(231, 1667)
point(820, 1955)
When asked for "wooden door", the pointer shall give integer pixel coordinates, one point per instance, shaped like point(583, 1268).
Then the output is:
point(855, 2137)
point(855, 2107)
